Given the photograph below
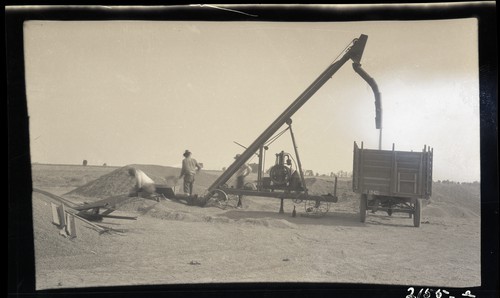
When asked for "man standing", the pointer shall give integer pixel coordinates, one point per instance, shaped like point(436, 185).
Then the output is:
point(189, 169)
point(143, 184)
point(242, 172)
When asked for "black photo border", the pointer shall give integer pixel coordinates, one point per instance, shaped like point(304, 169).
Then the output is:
point(21, 270)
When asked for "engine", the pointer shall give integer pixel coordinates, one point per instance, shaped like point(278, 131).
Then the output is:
point(282, 175)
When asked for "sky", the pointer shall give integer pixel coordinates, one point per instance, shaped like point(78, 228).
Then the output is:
point(142, 92)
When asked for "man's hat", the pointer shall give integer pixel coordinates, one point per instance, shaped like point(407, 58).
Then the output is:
point(186, 153)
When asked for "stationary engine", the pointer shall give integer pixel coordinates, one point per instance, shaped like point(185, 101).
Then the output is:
point(282, 175)
point(281, 171)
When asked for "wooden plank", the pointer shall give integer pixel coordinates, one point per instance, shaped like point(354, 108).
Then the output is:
point(61, 213)
point(55, 214)
point(57, 198)
point(92, 206)
point(70, 225)
point(407, 182)
point(393, 169)
point(280, 195)
point(89, 223)
point(361, 164)
point(355, 168)
point(378, 179)
point(429, 173)
point(420, 174)
point(120, 217)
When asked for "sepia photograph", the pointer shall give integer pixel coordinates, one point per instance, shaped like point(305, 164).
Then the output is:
point(206, 151)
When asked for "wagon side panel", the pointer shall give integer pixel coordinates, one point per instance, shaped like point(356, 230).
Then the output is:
point(392, 173)
point(375, 172)
point(408, 173)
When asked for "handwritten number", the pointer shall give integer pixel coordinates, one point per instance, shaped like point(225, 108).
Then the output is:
point(420, 293)
point(438, 293)
point(411, 290)
point(427, 293)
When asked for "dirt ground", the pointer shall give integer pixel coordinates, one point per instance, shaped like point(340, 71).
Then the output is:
point(173, 243)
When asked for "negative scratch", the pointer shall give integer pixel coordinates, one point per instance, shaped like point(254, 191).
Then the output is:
point(227, 9)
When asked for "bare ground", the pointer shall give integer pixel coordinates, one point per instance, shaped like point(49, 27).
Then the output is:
point(173, 243)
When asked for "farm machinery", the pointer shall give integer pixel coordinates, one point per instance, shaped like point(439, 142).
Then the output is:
point(285, 179)
point(392, 181)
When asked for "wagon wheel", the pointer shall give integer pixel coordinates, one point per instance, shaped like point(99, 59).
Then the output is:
point(362, 207)
point(316, 207)
point(418, 213)
point(220, 197)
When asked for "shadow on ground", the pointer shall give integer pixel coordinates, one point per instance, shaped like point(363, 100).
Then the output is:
point(330, 219)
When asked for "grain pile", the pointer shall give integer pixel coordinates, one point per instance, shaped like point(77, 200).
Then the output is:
point(119, 182)
point(319, 186)
point(447, 200)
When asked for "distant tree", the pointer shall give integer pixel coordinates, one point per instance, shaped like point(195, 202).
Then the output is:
point(104, 164)
point(309, 173)
point(317, 174)
point(84, 162)
point(223, 169)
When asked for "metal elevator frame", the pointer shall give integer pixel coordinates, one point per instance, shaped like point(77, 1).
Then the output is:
point(354, 53)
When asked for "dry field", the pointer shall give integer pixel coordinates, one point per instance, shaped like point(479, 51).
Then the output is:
point(172, 243)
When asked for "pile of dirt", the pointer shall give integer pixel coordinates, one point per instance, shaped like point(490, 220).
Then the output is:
point(453, 200)
point(322, 186)
point(66, 175)
point(319, 186)
point(119, 181)
point(171, 210)
point(462, 196)
point(446, 210)
point(268, 222)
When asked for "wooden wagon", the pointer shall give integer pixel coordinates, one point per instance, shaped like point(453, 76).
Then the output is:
point(392, 181)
